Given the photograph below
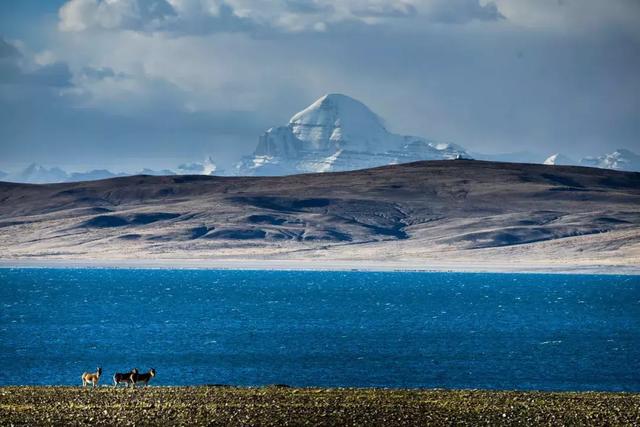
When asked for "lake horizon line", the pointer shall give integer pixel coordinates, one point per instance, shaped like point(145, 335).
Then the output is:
point(405, 266)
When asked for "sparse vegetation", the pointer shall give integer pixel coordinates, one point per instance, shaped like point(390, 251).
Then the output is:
point(280, 406)
point(449, 214)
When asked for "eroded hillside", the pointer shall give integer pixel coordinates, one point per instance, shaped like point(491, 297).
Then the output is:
point(419, 211)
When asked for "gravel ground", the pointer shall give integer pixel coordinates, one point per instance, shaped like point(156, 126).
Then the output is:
point(281, 406)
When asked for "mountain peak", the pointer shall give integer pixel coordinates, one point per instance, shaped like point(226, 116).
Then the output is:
point(337, 122)
point(337, 98)
point(338, 132)
point(559, 159)
point(335, 102)
point(38, 174)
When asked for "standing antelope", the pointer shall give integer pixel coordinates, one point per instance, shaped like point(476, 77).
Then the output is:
point(91, 377)
point(119, 377)
point(142, 378)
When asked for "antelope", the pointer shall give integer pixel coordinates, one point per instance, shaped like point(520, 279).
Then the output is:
point(143, 378)
point(123, 377)
point(91, 377)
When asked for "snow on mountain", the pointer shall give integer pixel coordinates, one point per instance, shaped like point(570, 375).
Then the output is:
point(208, 167)
point(338, 122)
point(38, 174)
point(559, 159)
point(338, 133)
point(620, 159)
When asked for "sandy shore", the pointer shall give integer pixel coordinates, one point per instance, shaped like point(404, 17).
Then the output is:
point(282, 406)
point(319, 265)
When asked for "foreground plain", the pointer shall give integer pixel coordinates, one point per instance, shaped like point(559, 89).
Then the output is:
point(279, 406)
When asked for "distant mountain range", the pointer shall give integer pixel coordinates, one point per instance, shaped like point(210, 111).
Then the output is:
point(335, 133)
point(38, 174)
point(621, 159)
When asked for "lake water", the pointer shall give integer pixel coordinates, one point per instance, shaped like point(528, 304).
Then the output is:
point(450, 330)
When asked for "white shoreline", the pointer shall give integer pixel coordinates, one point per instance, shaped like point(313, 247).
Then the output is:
point(323, 265)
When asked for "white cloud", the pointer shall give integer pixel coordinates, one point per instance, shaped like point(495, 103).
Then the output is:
point(77, 15)
point(210, 16)
point(45, 57)
point(80, 15)
point(129, 72)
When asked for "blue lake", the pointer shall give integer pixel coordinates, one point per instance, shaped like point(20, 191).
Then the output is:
point(450, 330)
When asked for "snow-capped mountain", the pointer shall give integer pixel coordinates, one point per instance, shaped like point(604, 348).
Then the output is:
point(338, 133)
point(559, 159)
point(208, 167)
point(620, 159)
point(38, 174)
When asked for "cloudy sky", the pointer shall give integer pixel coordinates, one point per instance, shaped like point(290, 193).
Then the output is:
point(126, 84)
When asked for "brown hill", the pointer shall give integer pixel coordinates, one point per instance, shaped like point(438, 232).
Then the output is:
point(452, 211)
